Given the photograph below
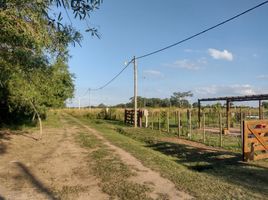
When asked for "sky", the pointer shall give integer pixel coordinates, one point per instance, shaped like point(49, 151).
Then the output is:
point(228, 61)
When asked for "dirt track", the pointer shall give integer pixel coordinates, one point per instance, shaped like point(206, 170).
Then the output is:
point(53, 168)
point(57, 167)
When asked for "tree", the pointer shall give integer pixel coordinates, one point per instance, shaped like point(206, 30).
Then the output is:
point(265, 104)
point(178, 99)
point(34, 54)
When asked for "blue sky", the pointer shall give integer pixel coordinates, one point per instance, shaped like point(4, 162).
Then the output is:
point(228, 61)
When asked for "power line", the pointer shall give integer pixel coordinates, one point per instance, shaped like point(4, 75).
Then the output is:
point(110, 81)
point(177, 43)
point(202, 32)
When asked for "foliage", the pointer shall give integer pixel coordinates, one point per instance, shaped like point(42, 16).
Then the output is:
point(265, 104)
point(178, 99)
point(34, 54)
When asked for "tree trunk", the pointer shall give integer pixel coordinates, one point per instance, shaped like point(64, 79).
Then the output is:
point(39, 120)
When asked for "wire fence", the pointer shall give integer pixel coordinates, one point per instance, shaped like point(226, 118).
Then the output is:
point(184, 123)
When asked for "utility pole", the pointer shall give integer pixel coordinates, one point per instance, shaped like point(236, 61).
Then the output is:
point(79, 105)
point(135, 91)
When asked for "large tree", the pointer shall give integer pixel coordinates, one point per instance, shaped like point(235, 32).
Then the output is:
point(179, 99)
point(34, 54)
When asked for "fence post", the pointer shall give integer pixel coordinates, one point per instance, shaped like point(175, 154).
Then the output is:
point(189, 123)
point(179, 123)
point(220, 121)
point(152, 122)
point(168, 121)
point(125, 116)
point(204, 127)
point(241, 121)
point(159, 125)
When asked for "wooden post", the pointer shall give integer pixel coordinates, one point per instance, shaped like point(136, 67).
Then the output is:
point(159, 124)
point(228, 115)
point(179, 123)
point(135, 91)
point(245, 141)
point(260, 110)
point(241, 121)
point(220, 124)
point(152, 122)
point(175, 117)
point(125, 116)
point(140, 118)
point(204, 127)
point(189, 124)
point(168, 121)
point(199, 113)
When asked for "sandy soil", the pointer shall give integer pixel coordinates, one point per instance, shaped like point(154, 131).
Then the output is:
point(58, 168)
point(53, 168)
point(144, 174)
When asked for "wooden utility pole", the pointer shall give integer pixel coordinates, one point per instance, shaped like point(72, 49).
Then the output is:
point(135, 91)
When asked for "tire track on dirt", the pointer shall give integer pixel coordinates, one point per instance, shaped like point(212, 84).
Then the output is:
point(144, 174)
point(55, 167)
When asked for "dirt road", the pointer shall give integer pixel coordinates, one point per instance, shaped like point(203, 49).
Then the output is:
point(57, 167)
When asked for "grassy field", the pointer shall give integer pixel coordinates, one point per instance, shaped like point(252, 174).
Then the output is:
point(158, 121)
point(204, 174)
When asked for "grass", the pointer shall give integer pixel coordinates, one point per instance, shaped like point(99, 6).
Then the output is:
point(53, 119)
point(205, 175)
point(112, 172)
point(68, 191)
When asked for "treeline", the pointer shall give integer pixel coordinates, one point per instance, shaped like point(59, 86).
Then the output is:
point(180, 102)
point(34, 73)
point(154, 103)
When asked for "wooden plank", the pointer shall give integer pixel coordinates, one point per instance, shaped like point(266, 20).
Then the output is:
point(254, 122)
point(254, 140)
point(260, 130)
point(261, 156)
point(259, 148)
point(259, 138)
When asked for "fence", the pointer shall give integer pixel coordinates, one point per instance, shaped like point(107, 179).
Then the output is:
point(129, 117)
point(255, 140)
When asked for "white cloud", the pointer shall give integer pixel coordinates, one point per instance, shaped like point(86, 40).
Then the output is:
point(263, 76)
point(188, 64)
point(153, 73)
point(226, 90)
point(217, 54)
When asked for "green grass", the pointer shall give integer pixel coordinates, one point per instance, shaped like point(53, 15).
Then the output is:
point(112, 172)
point(52, 120)
point(205, 175)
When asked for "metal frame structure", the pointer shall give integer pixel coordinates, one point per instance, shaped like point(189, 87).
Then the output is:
point(233, 99)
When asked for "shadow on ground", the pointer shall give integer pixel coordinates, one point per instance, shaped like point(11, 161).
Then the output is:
point(4, 135)
point(224, 165)
point(35, 181)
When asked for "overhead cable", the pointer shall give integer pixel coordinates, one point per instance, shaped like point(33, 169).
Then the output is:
point(201, 32)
